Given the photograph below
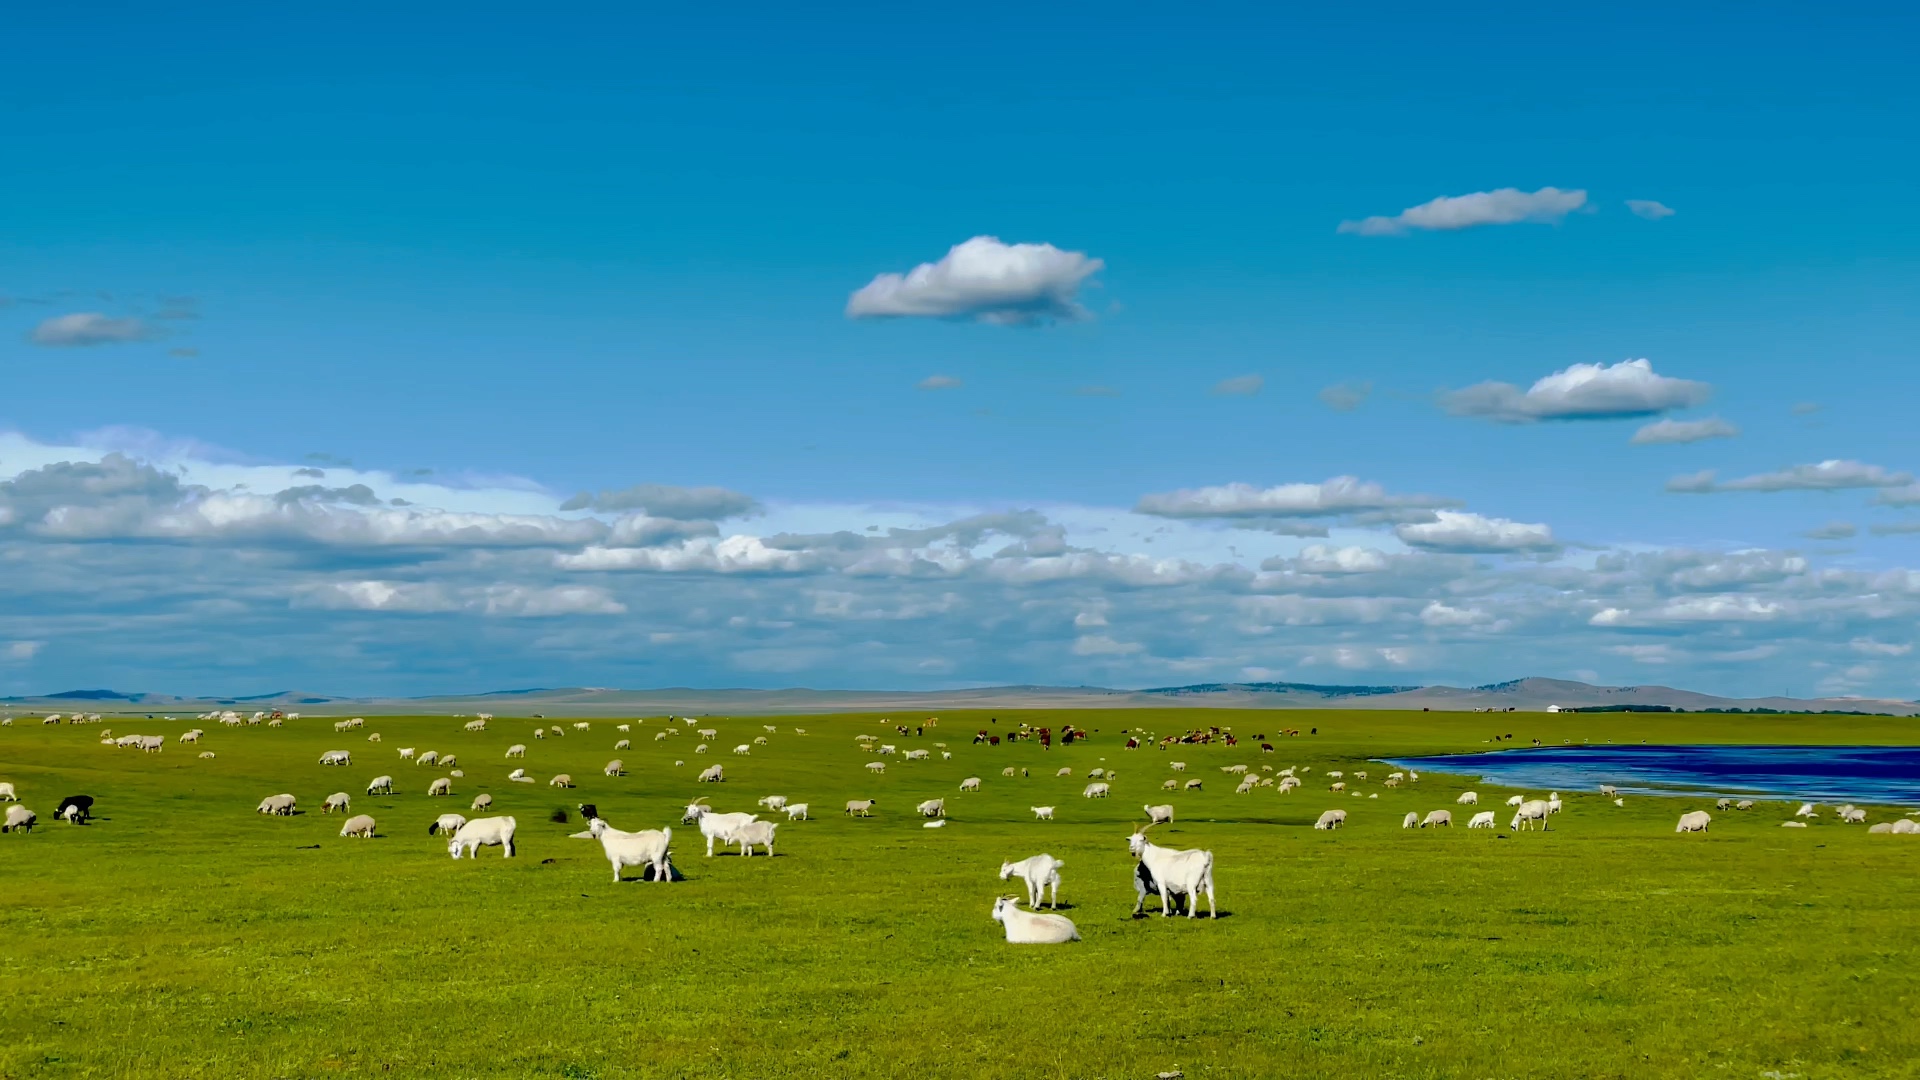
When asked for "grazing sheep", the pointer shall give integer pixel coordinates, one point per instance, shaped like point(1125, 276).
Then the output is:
point(1188, 873)
point(6, 793)
point(442, 786)
point(336, 757)
point(796, 811)
point(971, 783)
point(1331, 820)
point(518, 750)
point(1042, 813)
point(380, 785)
point(1039, 872)
point(1411, 821)
point(1723, 804)
point(1338, 785)
point(623, 744)
point(701, 749)
point(519, 776)
point(1905, 826)
point(648, 848)
point(1530, 811)
point(932, 808)
point(582, 726)
point(539, 733)
point(1853, 816)
point(1094, 791)
point(446, 823)
point(339, 800)
point(476, 725)
point(469, 838)
point(360, 825)
point(185, 736)
point(946, 755)
point(1193, 785)
point(1032, 928)
point(1482, 820)
point(1880, 828)
point(1696, 821)
point(1392, 782)
point(756, 834)
point(1160, 815)
point(773, 802)
point(1609, 790)
point(75, 809)
point(19, 819)
point(281, 805)
point(448, 761)
point(428, 758)
point(616, 767)
point(1008, 771)
point(562, 780)
point(1438, 819)
point(406, 753)
point(374, 737)
point(860, 807)
point(1170, 785)
point(1065, 771)
point(1516, 800)
point(743, 749)
point(708, 734)
point(1743, 804)
point(712, 775)
point(1096, 774)
point(1468, 798)
point(717, 826)
point(482, 801)
point(876, 766)
point(1177, 766)
point(557, 731)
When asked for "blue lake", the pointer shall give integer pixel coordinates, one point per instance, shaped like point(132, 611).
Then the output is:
point(1881, 774)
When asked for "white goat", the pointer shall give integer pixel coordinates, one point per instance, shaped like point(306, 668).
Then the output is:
point(773, 802)
point(715, 826)
point(482, 832)
point(1032, 928)
point(796, 811)
point(755, 834)
point(1188, 873)
point(1042, 813)
point(646, 848)
point(1040, 872)
point(932, 808)
point(1482, 820)
point(1160, 815)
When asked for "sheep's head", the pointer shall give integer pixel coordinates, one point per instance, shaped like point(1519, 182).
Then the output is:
point(453, 848)
point(596, 827)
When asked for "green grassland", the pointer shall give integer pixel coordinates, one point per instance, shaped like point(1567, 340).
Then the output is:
point(182, 935)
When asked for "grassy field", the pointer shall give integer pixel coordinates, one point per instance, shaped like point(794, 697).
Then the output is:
point(182, 935)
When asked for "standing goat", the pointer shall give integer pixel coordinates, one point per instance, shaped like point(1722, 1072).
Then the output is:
point(1189, 872)
point(1039, 872)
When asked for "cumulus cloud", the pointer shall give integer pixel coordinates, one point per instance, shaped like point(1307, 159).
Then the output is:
point(663, 501)
point(1239, 386)
point(1469, 534)
point(1505, 206)
point(1830, 475)
point(1832, 530)
point(1649, 209)
point(1662, 432)
point(733, 555)
point(1437, 614)
point(83, 328)
point(1346, 396)
point(984, 280)
point(21, 651)
point(1871, 647)
point(1900, 496)
point(1624, 390)
point(1337, 496)
point(938, 382)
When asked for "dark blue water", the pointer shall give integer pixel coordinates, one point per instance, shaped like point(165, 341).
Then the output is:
point(1880, 774)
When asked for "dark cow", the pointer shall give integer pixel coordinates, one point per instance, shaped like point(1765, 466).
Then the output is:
point(83, 805)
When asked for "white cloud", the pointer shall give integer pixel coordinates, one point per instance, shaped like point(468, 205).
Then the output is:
point(1102, 645)
point(1346, 396)
point(21, 651)
point(938, 382)
point(1627, 389)
point(665, 501)
point(1662, 432)
point(1239, 386)
point(1340, 495)
point(1901, 496)
point(734, 555)
point(984, 280)
point(426, 598)
point(1649, 209)
point(1437, 614)
point(1830, 475)
point(1458, 531)
point(1870, 647)
point(89, 328)
point(1832, 530)
point(1322, 559)
point(1505, 206)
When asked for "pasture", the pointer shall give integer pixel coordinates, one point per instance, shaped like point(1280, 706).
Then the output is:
point(183, 935)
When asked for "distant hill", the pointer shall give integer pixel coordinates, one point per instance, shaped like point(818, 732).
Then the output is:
point(1524, 695)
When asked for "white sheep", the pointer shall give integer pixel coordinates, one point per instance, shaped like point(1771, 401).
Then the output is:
point(1177, 766)
point(1906, 826)
point(773, 802)
point(755, 834)
point(1338, 785)
point(281, 805)
point(7, 793)
point(442, 786)
point(1853, 816)
point(582, 726)
point(946, 755)
point(1411, 821)
point(932, 808)
point(648, 848)
point(1468, 798)
point(339, 800)
point(539, 733)
point(623, 727)
point(1160, 815)
point(616, 767)
point(360, 825)
point(482, 801)
point(1516, 800)
point(1042, 813)
point(1008, 771)
point(19, 819)
point(876, 766)
point(206, 753)
point(1032, 928)
point(406, 753)
point(475, 725)
point(1094, 791)
point(336, 757)
point(1170, 785)
point(1695, 821)
point(796, 811)
point(519, 776)
point(518, 750)
point(1040, 872)
point(482, 832)
point(1331, 820)
point(448, 761)
point(1438, 819)
point(713, 775)
point(623, 744)
point(428, 758)
point(1553, 803)
point(1530, 811)
point(1793, 824)
point(743, 749)
point(971, 783)
point(1482, 820)
point(447, 824)
point(860, 807)
point(1193, 785)
point(708, 734)
point(1186, 873)
point(1807, 810)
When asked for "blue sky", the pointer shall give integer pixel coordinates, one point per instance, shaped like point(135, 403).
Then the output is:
point(598, 248)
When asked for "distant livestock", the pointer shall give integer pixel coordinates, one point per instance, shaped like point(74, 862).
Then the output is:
point(1331, 820)
point(360, 825)
point(1530, 811)
point(380, 785)
point(860, 807)
point(1482, 820)
point(482, 832)
point(1695, 821)
point(1160, 815)
point(1094, 791)
point(1468, 798)
point(1438, 819)
point(281, 805)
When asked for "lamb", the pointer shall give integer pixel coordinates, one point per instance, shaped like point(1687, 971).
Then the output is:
point(446, 823)
point(971, 783)
point(773, 802)
point(1331, 820)
point(1482, 820)
point(1032, 928)
point(561, 780)
point(797, 811)
point(860, 807)
point(1187, 872)
point(281, 805)
point(482, 801)
point(518, 750)
point(482, 832)
point(715, 826)
point(714, 775)
point(616, 767)
point(1530, 811)
point(646, 848)
point(1411, 821)
point(19, 819)
point(360, 825)
point(380, 785)
point(755, 834)
point(1696, 821)
point(1438, 819)
point(1468, 798)
point(1094, 791)
point(1042, 813)
point(75, 809)
point(442, 786)
point(339, 800)
point(932, 808)
point(1160, 815)
point(1039, 872)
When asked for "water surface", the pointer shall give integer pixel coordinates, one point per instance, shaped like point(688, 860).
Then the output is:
point(1877, 774)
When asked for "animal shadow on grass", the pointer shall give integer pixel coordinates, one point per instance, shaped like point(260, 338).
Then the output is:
point(646, 875)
